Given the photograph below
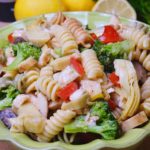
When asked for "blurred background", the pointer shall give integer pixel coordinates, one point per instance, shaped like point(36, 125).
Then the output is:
point(11, 10)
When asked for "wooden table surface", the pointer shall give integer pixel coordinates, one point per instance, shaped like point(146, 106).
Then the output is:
point(145, 145)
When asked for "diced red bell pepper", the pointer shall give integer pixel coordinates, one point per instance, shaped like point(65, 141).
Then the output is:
point(112, 104)
point(110, 35)
point(65, 92)
point(94, 37)
point(76, 64)
point(114, 79)
point(10, 38)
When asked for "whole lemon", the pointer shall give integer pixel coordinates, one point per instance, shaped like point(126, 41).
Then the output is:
point(79, 5)
point(28, 8)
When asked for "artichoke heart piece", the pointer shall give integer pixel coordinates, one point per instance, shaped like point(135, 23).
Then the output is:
point(129, 87)
point(32, 119)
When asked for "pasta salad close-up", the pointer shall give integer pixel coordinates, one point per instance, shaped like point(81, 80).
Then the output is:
point(62, 81)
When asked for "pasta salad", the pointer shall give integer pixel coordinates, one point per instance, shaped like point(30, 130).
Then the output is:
point(61, 81)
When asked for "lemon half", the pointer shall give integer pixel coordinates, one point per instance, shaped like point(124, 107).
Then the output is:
point(117, 7)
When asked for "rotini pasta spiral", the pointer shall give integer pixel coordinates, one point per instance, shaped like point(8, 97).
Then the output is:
point(145, 95)
point(91, 64)
point(146, 106)
point(54, 43)
point(55, 124)
point(139, 34)
point(18, 82)
point(46, 71)
point(48, 87)
point(143, 56)
point(66, 138)
point(145, 89)
point(29, 80)
point(66, 39)
point(45, 56)
point(59, 18)
point(79, 33)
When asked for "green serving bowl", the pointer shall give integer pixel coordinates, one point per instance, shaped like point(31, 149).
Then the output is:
point(129, 140)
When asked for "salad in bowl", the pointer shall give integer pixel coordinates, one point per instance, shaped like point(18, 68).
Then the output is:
point(66, 84)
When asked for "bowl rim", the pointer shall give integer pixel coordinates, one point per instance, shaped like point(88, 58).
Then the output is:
point(70, 12)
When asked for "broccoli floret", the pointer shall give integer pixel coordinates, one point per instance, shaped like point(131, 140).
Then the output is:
point(7, 95)
point(22, 51)
point(106, 125)
point(108, 53)
point(101, 109)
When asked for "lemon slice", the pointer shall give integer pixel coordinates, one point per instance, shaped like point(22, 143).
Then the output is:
point(117, 7)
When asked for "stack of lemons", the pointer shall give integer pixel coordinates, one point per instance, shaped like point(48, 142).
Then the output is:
point(28, 8)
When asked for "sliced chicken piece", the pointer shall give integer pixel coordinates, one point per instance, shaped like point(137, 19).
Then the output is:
point(93, 88)
point(45, 56)
point(66, 76)
point(61, 63)
point(78, 100)
point(134, 121)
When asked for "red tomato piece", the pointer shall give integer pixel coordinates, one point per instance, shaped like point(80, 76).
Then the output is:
point(66, 91)
point(110, 35)
point(112, 104)
point(10, 38)
point(76, 64)
point(114, 79)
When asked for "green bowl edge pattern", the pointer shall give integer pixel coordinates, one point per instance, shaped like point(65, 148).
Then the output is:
point(131, 138)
